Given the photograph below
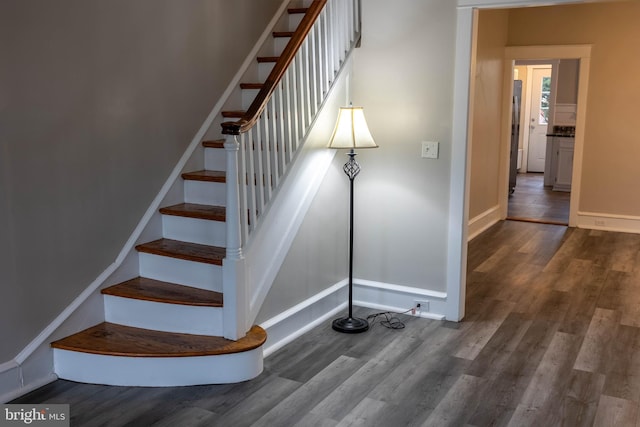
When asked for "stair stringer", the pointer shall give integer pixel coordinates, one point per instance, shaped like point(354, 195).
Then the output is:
point(269, 243)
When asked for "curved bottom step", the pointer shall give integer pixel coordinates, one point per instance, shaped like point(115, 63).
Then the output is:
point(119, 355)
point(157, 372)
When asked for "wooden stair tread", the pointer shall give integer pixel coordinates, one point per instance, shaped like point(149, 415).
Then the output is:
point(233, 114)
point(278, 34)
point(296, 10)
point(268, 58)
point(251, 85)
point(184, 250)
point(218, 143)
point(193, 210)
point(142, 288)
point(117, 340)
point(206, 175)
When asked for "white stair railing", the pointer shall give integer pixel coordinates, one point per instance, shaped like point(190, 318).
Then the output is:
point(262, 144)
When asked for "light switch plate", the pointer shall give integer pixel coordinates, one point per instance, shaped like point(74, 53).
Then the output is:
point(430, 149)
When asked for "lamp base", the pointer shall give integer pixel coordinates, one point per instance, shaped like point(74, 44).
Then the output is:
point(350, 325)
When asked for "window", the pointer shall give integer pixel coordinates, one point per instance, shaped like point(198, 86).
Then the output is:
point(545, 94)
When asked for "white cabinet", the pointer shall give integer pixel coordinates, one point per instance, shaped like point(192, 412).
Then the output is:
point(563, 149)
point(550, 162)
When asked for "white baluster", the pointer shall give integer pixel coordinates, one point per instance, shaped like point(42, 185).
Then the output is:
point(242, 173)
point(250, 181)
point(281, 129)
point(289, 117)
point(314, 70)
point(294, 97)
point(301, 92)
point(307, 83)
point(326, 80)
point(273, 132)
point(350, 21)
point(266, 153)
point(331, 40)
point(258, 175)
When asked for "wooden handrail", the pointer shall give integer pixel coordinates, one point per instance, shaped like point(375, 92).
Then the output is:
point(249, 118)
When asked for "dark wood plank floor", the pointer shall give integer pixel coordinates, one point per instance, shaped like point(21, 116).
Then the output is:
point(551, 338)
point(532, 201)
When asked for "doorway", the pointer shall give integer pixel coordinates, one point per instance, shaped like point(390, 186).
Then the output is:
point(461, 148)
point(532, 196)
point(547, 54)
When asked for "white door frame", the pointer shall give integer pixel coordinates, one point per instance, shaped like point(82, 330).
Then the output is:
point(461, 145)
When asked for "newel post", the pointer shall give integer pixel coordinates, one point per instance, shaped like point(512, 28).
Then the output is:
point(233, 275)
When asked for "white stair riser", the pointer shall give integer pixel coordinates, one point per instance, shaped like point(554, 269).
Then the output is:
point(279, 43)
point(248, 95)
point(264, 69)
point(182, 272)
point(294, 20)
point(204, 193)
point(159, 316)
point(157, 371)
point(215, 159)
point(194, 230)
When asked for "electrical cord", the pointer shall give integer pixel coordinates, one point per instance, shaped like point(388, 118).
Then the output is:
point(390, 321)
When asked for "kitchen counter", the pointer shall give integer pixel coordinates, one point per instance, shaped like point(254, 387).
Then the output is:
point(563, 132)
point(562, 135)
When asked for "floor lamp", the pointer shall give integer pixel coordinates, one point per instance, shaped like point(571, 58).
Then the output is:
point(351, 132)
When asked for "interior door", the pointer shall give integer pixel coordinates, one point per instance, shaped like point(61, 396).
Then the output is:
point(540, 93)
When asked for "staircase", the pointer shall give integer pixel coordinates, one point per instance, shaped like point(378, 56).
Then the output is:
point(183, 320)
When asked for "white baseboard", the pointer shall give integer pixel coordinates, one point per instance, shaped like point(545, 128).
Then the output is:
point(12, 381)
point(608, 222)
point(294, 322)
point(481, 222)
point(398, 298)
point(299, 319)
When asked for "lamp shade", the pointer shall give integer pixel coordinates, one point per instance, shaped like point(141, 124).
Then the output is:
point(351, 130)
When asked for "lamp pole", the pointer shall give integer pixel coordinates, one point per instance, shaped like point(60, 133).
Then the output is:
point(351, 324)
point(352, 155)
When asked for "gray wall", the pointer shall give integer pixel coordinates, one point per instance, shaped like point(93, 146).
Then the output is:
point(98, 101)
point(404, 79)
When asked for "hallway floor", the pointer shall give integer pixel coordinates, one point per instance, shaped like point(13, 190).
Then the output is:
point(532, 201)
point(551, 337)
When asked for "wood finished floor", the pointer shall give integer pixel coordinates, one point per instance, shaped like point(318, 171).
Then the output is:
point(532, 201)
point(551, 338)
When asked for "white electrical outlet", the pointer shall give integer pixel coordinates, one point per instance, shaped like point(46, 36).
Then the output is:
point(430, 149)
point(424, 306)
